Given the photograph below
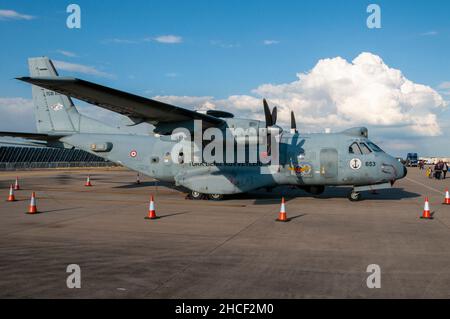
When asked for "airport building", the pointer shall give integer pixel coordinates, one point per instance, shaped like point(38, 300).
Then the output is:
point(27, 157)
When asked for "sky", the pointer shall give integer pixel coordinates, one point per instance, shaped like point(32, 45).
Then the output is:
point(318, 58)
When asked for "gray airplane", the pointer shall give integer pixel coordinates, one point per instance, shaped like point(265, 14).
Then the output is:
point(307, 161)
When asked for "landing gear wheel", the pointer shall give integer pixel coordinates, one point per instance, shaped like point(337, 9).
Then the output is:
point(196, 195)
point(215, 197)
point(354, 196)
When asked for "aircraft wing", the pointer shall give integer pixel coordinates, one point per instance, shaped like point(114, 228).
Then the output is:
point(136, 107)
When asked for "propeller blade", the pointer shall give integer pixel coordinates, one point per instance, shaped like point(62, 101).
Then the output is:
point(274, 116)
point(293, 122)
point(267, 114)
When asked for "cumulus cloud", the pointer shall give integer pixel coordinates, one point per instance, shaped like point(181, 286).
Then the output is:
point(80, 68)
point(14, 15)
point(338, 94)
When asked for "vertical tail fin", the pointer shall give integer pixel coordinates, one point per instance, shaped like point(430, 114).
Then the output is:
point(55, 113)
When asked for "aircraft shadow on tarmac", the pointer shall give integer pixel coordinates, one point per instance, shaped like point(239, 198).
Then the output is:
point(269, 198)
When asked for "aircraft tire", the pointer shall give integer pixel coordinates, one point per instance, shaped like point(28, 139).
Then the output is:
point(354, 196)
point(216, 197)
point(196, 195)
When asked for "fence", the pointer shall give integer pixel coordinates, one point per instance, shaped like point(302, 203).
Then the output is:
point(14, 158)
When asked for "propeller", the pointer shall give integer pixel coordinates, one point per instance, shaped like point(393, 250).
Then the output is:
point(267, 114)
point(271, 117)
point(293, 123)
point(271, 121)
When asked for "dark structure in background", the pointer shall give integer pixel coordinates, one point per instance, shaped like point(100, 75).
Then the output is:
point(19, 157)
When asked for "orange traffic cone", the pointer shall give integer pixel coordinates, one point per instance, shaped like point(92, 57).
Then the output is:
point(447, 198)
point(32, 209)
point(426, 210)
point(151, 210)
point(138, 180)
point(282, 217)
point(16, 184)
point(11, 197)
point(88, 181)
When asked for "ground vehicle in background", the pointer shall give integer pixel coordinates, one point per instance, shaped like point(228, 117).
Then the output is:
point(412, 160)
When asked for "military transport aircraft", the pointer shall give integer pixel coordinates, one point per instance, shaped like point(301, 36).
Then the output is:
point(308, 161)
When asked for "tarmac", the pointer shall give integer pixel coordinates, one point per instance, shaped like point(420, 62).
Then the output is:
point(228, 249)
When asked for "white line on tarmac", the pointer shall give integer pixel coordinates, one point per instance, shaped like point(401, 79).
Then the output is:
point(426, 186)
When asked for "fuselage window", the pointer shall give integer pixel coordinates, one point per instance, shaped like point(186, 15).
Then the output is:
point(364, 148)
point(375, 147)
point(354, 149)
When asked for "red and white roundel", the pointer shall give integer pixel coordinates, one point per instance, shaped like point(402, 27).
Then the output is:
point(133, 153)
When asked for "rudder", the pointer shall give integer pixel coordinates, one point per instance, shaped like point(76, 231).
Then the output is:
point(55, 113)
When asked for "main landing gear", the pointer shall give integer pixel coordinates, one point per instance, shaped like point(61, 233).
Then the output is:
point(194, 195)
point(354, 196)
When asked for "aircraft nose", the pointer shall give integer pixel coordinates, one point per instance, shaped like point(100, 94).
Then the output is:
point(405, 171)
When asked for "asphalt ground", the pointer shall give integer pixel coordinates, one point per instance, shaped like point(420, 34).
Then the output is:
point(227, 249)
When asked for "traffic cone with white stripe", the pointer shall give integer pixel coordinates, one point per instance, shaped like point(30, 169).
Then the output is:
point(16, 184)
point(282, 217)
point(88, 181)
point(151, 210)
point(11, 197)
point(447, 198)
point(32, 209)
point(426, 210)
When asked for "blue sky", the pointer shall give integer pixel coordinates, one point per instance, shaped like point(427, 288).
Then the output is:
point(225, 48)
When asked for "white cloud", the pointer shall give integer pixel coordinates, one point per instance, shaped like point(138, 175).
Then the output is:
point(14, 15)
point(120, 41)
point(270, 42)
point(172, 75)
point(191, 102)
point(17, 115)
point(444, 85)
point(80, 68)
point(429, 33)
point(224, 45)
point(168, 39)
point(67, 53)
point(339, 94)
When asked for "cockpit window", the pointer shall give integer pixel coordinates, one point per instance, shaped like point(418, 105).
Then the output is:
point(354, 149)
point(364, 148)
point(374, 147)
